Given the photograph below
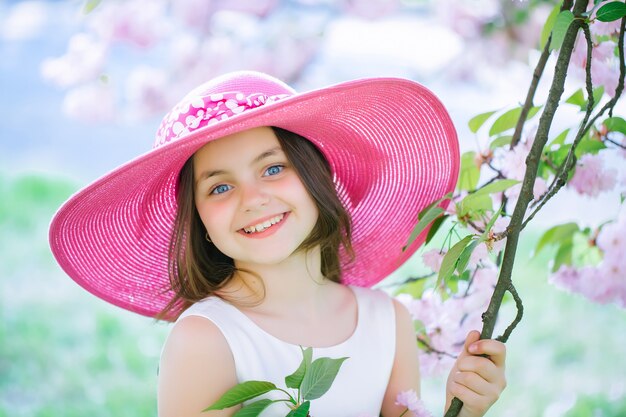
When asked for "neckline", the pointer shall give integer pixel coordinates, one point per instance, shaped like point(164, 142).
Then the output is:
point(253, 324)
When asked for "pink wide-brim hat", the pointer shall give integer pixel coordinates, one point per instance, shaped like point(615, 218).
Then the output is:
point(390, 143)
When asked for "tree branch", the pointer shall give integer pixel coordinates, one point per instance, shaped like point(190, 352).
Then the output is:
point(526, 193)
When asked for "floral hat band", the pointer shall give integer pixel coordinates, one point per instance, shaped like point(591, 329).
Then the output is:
point(200, 111)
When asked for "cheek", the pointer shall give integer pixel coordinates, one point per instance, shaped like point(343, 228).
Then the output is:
point(212, 215)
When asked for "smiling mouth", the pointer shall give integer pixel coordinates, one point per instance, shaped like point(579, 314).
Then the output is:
point(261, 227)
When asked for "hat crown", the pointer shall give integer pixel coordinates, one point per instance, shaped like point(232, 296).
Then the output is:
point(220, 99)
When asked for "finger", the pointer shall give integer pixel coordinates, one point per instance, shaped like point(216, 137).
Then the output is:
point(471, 399)
point(475, 383)
point(471, 338)
point(496, 351)
point(481, 366)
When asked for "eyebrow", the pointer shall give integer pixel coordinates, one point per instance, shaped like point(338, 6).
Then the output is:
point(208, 174)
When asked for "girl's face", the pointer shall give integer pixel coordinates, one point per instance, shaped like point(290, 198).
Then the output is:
point(250, 199)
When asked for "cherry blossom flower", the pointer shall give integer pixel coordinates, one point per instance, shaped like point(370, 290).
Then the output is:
point(83, 62)
point(606, 282)
point(138, 22)
point(370, 9)
point(94, 102)
point(604, 65)
point(433, 259)
point(592, 177)
point(410, 400)
point(146, 89)
point(513, 162)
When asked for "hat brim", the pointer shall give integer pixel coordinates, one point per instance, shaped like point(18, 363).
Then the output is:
point(390, 142)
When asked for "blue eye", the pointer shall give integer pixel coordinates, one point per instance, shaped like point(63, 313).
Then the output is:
point(222, 188)
point(274, 169)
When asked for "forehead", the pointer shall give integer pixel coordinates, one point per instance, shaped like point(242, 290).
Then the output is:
point(240, 147)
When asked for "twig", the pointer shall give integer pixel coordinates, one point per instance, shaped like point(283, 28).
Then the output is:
point(528, 103)
point(619, 145)
point(431, 349)
point(560, 178)
point(518, 317)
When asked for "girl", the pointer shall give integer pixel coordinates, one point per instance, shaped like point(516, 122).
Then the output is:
point(258, 222)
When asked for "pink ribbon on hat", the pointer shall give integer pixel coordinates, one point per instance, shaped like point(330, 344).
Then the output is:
point(200, 111)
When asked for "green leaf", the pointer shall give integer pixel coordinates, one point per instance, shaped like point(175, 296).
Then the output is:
point(503, 140)
point(508, 120)
point(435, 227)
point(90, 5)
point(449, 262)
point(477, 121)
point(476, 203)
point(465, 256)
point(496, 187)
point(426, 217)
point(240, 393)
point(469, 172)
point(611, 11)
point(492, 221)
point(588, 145)
point(320, 377)
point(295, 380)
point(561, 24)
point(578, 99)
point(556, 235)
point(548, 26)
point(615, 124)
point(582, 252)
point(563, 255)
point(301, 411)
point(254, 409)
point(560, 139)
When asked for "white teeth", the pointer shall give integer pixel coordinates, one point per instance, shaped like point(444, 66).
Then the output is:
point(265, 225)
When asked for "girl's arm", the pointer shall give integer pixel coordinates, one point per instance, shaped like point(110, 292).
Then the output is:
point(405, 371)
point(196, 368)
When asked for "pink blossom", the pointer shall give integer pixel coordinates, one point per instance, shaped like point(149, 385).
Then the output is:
point(370, 9)
point(433, 364)
point(612, 237)
point(433, 259)
point(90, 103)
point(256, 7)
point(138, 22)
point(83, 61)
point(146, 89)
point(410, 400)
point(513, 162)
point(592, 177)
point(467, 18)
point(480, 255)
point(24, 20)
point(193, 13)
point(604, 65)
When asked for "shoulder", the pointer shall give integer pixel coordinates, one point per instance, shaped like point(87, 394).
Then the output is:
point(381, 298)
point(196, 367)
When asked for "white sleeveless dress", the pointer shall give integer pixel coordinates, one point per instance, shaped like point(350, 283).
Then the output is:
point(362, 380)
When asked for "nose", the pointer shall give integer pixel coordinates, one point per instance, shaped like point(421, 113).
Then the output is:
point(253, 196)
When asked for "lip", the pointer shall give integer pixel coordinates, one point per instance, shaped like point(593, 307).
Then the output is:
point(267, 232)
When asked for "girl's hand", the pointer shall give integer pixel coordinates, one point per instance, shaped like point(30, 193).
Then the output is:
point(477, 380)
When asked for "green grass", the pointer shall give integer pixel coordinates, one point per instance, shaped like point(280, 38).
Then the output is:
point(64, 352)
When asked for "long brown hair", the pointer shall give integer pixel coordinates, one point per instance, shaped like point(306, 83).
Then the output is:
point(198, 269)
